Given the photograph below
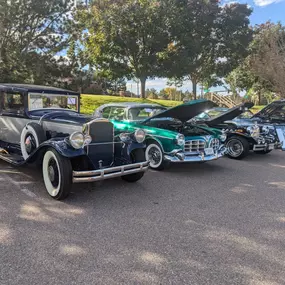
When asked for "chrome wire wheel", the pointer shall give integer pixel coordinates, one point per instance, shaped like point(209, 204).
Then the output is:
point(235, 148)
point(154, 155)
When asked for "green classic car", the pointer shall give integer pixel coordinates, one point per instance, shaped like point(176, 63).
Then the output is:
point(170, 137)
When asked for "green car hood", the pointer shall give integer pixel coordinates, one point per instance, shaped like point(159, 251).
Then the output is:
point(132, 126)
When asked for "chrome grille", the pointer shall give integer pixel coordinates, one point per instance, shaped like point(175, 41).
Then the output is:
point(215, 144)
point(194, 146)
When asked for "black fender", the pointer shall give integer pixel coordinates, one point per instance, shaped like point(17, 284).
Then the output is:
point(133, 146)
point(60, 145)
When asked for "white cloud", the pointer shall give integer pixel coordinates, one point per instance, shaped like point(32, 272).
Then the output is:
point(263, 3)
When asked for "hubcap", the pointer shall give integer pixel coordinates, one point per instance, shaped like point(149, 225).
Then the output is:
point(53, 173)
point(30, 143)
point(235, 148)
point(154, 156)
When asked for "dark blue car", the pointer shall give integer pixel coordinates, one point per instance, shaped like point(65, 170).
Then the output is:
point(43, 124)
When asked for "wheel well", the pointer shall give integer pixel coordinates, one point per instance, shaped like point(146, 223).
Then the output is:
point(249, 139)
point(150, 141)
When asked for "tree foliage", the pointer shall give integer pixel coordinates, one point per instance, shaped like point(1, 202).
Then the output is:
point(208, 40)
point(125, 37)
point(267, 59)
point(31, 33)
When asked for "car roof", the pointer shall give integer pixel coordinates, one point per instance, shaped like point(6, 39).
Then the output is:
point(36, 88)
point(132, 105)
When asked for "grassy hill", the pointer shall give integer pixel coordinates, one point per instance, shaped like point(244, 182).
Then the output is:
point(91, 102)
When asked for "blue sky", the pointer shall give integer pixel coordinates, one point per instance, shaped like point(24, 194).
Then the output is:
point(263, 10)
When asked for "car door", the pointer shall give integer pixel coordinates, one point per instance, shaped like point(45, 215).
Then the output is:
point(13, 118)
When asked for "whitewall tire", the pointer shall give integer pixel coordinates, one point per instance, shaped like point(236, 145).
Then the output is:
point(154, 155)
point(57, 174)
point(31, 138)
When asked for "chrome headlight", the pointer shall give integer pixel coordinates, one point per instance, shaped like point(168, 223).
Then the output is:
point(76, 140)
point(140, 135)
point(124, 137)
point(180, 139)
point(254, 131)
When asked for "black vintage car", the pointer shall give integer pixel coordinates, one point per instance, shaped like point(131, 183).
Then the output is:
point(243, 134)
point(43, 125)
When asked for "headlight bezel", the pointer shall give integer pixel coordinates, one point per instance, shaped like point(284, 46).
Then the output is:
point(140, 135)
point(78, 140)
point(180, 139)
point(254, 131)
point(125, 137)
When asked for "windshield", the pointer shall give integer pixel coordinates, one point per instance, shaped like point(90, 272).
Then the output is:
point(142, 113)
point(43, 101)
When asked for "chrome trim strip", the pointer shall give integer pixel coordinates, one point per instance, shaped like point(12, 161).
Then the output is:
point(258, 147)
point(107, 173)
point(197, 158)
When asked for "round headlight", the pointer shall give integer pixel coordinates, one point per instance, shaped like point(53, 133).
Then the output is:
point(180, 139)
point(140, 135)
point(124, 137)
point(87, 139)
point(254, 131)
point(76, 140)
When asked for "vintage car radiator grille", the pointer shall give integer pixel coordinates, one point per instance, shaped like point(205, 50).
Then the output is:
point(215, 144)
point(101, 149)
point(194, 146)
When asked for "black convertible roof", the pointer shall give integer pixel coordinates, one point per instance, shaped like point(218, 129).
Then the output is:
point(29, 88)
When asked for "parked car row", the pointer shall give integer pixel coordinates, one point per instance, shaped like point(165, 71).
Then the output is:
point(43, 125)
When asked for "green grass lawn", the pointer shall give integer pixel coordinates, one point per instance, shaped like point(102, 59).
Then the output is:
point(256, 109)
point(91, 102)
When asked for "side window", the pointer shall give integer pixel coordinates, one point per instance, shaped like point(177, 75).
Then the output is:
point(106, 112)
point(13, 103)
point(117, 113)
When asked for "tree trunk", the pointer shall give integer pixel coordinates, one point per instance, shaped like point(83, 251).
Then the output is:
point(143, 81)
point(259, 97)
point(194, 83)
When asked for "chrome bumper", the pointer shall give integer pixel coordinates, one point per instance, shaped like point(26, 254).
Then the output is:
point(107, 173)
point(267, 146)
point(181, 157)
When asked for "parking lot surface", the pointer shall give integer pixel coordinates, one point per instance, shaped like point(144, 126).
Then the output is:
point(212, 223)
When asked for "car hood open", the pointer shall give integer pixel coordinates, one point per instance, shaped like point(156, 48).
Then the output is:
point(187, 111)
point(230, 114)
point(271, 110)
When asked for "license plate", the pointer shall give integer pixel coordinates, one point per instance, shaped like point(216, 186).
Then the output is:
point(209, 151)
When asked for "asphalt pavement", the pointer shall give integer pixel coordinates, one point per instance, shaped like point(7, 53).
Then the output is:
point(217, 223)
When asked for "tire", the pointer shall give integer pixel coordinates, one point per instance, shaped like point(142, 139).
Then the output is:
point(31, 138)
point(137, 156)
point(232, 144)
point(57, 174)
point(263, 151)
point(154, 155)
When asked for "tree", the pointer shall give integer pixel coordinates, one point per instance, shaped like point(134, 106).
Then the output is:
point(208, 40)
point(151, 93)
point(31, 34)
point(267, 58)
point(125, 37)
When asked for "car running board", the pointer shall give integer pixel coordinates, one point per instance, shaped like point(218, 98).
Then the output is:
point(14, 159)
